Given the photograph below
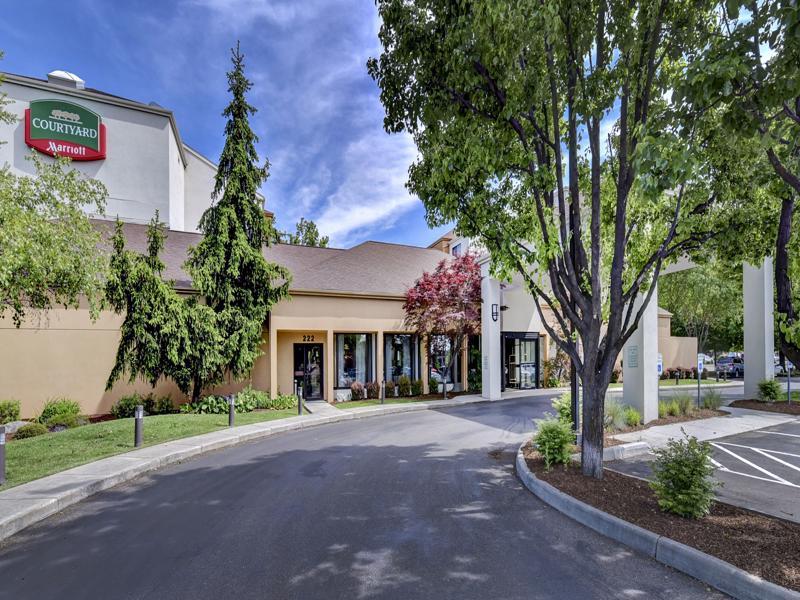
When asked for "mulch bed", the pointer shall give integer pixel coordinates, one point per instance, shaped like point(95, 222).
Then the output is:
point(703, 413)
point(776, 407)
point(765, 546)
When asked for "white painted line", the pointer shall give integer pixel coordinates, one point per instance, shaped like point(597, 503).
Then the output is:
point(776, 459)
point(764, 449)
point(780, 433)
point(755, 466)
point(727, 470)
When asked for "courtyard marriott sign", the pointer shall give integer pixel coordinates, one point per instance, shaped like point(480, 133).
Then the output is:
point(58, 127)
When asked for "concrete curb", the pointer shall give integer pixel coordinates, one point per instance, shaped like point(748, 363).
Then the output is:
point(31, 502)
point(704, 567)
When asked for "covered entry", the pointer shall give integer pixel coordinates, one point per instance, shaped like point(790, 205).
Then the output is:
point(308, 363)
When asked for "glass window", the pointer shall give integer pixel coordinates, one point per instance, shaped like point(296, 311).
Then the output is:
point(456, 250)
point(353, 358)
point(400, 356)
point(440, 356)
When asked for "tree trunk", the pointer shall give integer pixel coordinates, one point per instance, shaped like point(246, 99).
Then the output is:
point(783, 284)
point(594, 393)
point(197, 389)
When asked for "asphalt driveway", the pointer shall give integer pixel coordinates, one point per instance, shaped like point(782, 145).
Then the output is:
point(415, 505)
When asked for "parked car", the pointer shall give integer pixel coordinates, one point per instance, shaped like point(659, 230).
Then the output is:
point(781, 370)
point(732, 366)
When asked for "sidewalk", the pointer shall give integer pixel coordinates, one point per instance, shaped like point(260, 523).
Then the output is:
point(740, 420)
point(31, 502)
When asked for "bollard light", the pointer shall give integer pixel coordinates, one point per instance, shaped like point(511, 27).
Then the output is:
point(138, 422)
point(2, 454)
point(299, 401)
point(383, 391)
point(231, 410)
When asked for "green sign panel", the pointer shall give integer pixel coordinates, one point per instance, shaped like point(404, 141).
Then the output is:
point(59, 127)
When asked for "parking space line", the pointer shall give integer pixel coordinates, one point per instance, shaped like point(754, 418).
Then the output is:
point(781, 433)
point(764, 449)
point(775, 478)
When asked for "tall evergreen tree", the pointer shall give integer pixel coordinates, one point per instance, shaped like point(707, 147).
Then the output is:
point(227, 266)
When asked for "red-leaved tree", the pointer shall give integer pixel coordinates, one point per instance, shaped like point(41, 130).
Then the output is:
point(445, 307)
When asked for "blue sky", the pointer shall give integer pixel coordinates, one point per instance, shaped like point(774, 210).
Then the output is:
point(320, 120)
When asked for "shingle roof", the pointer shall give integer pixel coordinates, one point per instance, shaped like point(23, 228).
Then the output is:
point(369, 268)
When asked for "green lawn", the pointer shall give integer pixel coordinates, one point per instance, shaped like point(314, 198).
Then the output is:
point(37, 457)
point(359, 403)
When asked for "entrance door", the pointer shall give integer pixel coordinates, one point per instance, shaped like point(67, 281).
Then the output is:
point(308, 370)
point(521, 357)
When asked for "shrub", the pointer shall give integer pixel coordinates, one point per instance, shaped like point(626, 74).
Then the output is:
point(614, 412)
point(663, 409)
point(673, 408)
point(615, 373)
point(9, 411)
point(682, 477)
point(357, 391)
point(563, 407)
point(30, 430)
point(554, 441)
point(685, 403)
point(712, 399)
point(65, 421)
point(218, 405)
point(59, 406)
point(390, 389)
point(259, 398)
point(125, 407)
point(283, 402)
point(163, 405)
point(373, 390)
point(769, 390)
point(416, 387)
point(632, 416)
point(404, 385)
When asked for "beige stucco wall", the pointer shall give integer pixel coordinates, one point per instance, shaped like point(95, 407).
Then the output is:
point(66, 354)
point(678, 352)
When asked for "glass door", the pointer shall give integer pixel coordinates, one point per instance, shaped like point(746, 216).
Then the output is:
point(521, 357)
point(308, 370)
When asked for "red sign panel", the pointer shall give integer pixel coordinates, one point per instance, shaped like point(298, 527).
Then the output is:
point(61, 128)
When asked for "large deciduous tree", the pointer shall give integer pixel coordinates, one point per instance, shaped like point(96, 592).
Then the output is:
point(706, 303)
point(49, 252)
point(444, 307)
point(547, 130)
point(749, 72)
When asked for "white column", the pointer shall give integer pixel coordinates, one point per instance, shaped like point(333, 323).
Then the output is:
point(640, 363)
point(759, 326)
point(491, 357)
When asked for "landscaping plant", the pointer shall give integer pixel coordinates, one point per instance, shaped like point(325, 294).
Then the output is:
point(218, 405)
point(416, 387)
point(444, 307)
point(682, 477)
point(712, 400)
point(404, 385)
point(663, 409)
point(125, 407)
point(9, 411)
point(769, 390)
point(684, 402)
point(62, 421)
point(357, 391)
point(614, 415)
point(632, 416)
point(30, 430)
point(554, 440)
point(563, 407)
point(373, 389)
point(59, 406)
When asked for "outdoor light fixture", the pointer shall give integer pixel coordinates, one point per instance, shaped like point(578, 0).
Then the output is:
point(495, 312)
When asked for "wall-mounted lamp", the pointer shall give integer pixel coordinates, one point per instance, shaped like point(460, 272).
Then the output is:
point(495, 312)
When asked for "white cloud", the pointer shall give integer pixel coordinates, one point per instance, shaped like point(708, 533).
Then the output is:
point(373, 196)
